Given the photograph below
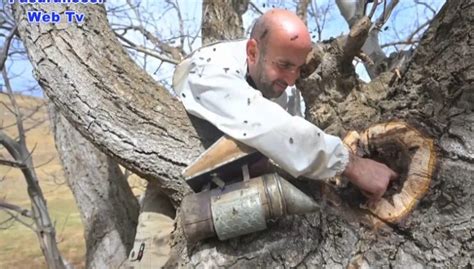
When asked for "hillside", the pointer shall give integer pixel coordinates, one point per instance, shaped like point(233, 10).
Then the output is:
point(19, 247)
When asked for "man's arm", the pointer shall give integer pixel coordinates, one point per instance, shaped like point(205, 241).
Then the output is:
point(219, 94)
point(370, 176)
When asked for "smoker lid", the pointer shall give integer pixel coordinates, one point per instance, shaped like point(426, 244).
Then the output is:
point(226, 155)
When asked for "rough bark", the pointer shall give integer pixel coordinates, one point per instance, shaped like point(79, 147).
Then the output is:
point(121, 110)
point(110, 100)
point(108, 208)
point(222, 20)
point(302, 10)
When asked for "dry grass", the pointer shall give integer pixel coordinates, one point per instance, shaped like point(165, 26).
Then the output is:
point(19, 247)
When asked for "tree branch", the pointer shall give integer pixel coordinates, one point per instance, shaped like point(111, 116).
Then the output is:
point(386, 13)
point(302, 10)
point(6, 47)
point(418, 2)
point(16, 218)
point(374, 8)
point(252, 5)
point(356, 39)
point(15, 164)
point(16, 109)
point(403, 42)
point(22, 211)
point(146, 51)
point(176, 53)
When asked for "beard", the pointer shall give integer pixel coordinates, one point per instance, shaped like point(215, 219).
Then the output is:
point(264, 85)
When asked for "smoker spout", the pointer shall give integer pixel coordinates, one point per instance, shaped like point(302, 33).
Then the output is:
point(242, 207)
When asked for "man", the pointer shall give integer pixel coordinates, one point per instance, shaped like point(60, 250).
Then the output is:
point(244, 88)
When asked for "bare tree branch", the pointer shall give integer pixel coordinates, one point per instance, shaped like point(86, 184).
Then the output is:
point(356, 39)
point(320, 15)
point(418, 2)
point(374, 8)
point(409, 40)
point(176, 53)
point(17, 219)
point(22, 211)
point(7, 223)
point(45, 163)
point(15, 164)
point(17, 112)
point(175, 5)
point(403, 42)
point(19, 151)
point(6, 47)
point(255, 8)
point(146, 51)
point(386, 13)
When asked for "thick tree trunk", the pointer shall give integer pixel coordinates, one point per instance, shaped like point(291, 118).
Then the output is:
point(110, 100)
point(108, 208)
point(222, 20)
point(120, 109)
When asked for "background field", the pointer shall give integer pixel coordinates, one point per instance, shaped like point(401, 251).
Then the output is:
point(19, 247)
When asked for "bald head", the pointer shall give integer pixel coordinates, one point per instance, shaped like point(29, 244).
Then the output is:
point(276, 51)
point(281, 25)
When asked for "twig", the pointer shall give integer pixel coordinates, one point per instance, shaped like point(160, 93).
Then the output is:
point(8, 225)
point(17, 112)
point(256, 8)
point(45, 163)
point(31, 113)
point(144, 50)
point(374, 7)
point(22, 211)
point(12, 164)
point(382, 19)
point(409, 40)
point(403, 42)
point(175, 52)
point(6, 47)
point(62, 229)
point(425, 5)
point(16, 218)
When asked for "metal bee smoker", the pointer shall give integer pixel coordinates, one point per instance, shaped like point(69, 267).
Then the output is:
point(235, 208)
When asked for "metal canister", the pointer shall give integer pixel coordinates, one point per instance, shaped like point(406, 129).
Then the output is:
point(241, 208)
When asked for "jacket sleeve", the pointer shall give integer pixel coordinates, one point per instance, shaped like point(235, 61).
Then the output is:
point(221, 96)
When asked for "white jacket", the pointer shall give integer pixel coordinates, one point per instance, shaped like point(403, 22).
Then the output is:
point(212, 85)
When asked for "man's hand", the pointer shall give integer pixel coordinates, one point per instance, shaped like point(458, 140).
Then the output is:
point(370, 176)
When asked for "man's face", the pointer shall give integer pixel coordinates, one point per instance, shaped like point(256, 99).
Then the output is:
point(278, 67)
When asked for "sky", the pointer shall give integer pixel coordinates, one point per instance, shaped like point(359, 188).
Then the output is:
point(160, 18)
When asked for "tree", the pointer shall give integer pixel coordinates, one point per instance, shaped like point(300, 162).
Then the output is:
point(22, 159)
point(107, 205)
point(108, 208)
point(120, 109)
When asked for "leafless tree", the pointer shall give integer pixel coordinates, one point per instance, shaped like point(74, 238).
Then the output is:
point(20, 156)
point(89, 173)
point(21, 159)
